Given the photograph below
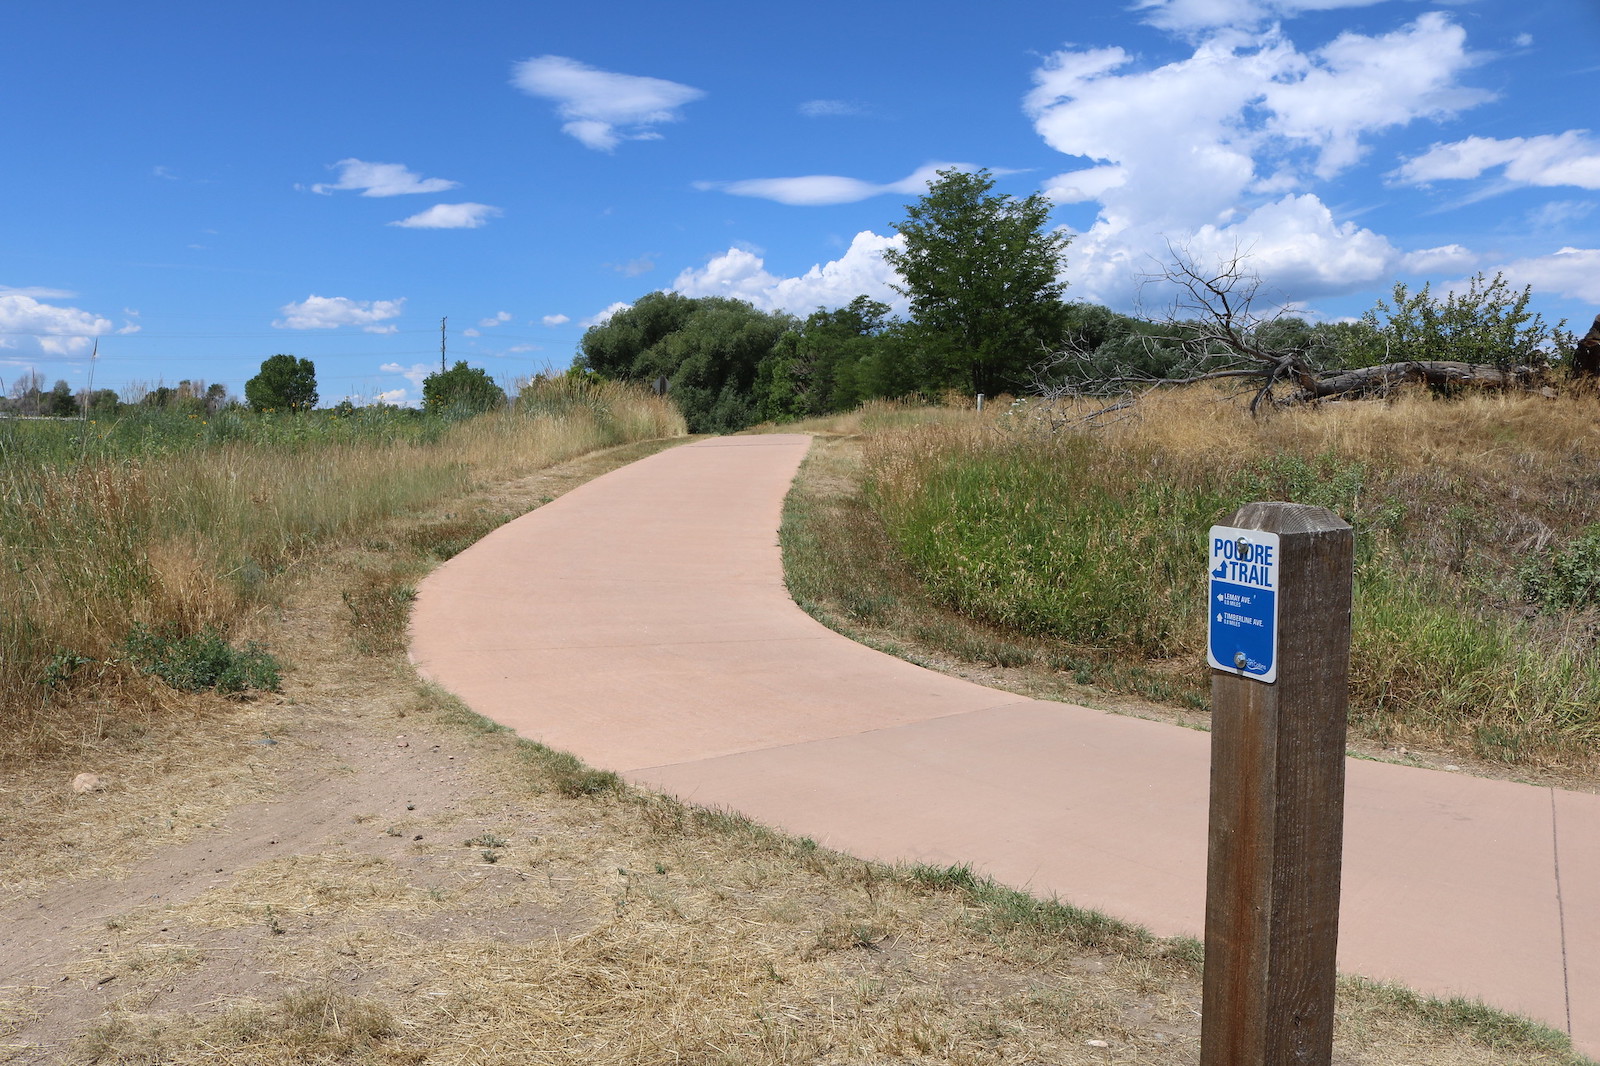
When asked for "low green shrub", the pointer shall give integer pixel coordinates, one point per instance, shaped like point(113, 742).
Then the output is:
point(198, 661)
point(1568, 577)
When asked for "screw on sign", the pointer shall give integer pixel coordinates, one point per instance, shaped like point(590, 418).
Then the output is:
point(1279, 648)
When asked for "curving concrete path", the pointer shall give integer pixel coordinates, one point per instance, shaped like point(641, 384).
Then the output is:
point(641, 622)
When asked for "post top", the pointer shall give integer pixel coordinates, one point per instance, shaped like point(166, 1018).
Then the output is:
point(1286, 518)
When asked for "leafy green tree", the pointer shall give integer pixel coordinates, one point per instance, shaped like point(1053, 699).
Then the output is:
point(462, 389)
point(707, 347)
point(1489, 324)
point(1108, 346)
point(982, 272)
point(623, 347)
point(284, 383)
point(828, 364)
point(103, 403)
point(59, 401)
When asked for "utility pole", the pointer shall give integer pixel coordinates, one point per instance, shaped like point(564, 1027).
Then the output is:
point(442, 321)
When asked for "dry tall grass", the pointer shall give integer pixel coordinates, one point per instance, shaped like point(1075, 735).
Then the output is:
point(1090, 535)
point(193, 535)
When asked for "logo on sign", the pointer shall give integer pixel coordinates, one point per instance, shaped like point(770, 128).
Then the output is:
point(1243, 602)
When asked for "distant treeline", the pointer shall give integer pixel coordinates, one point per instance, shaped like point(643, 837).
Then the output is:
point(729, 365)
point(28, 397)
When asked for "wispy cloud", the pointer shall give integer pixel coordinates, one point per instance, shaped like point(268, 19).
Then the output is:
point(602, 108)
point(37, 292)
point(499, 318)
point(331, 312)
point(450, 216)
point(1570, 158)
point(555, 320)
point(1192, 16)
point(832, 109)
point(634, 267)
point(1558, 214)
point(381, 179)
point(818, 189)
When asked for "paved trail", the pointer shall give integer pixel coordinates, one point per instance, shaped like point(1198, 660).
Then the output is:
point(641, 622)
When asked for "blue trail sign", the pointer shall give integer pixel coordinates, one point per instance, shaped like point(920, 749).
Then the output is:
point(1243, 602)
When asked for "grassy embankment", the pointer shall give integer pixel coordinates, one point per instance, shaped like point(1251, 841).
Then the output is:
point(180, 525)
point(1077, 555)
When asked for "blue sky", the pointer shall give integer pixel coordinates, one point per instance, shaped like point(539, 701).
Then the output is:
point(200, 186)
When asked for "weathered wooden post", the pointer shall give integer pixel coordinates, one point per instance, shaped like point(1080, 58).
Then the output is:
point(1280, 657)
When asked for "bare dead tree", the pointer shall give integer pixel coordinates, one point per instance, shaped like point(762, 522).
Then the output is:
point(1219, 330)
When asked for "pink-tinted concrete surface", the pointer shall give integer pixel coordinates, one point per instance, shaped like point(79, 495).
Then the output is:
point(641, 622)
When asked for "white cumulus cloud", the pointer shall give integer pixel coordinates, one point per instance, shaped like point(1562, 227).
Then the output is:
point(817, 189)
point(331, 312)
point(498, 318)
point(600, 318)
point(1445, 259)
point(742, 274)
point(27, 323)
point(1570, 272)
point(450, 216)
point(1570, 158)
point(381, 179)
point(1224, 149)
point(1299, 247)
point(1358, 84)
point(416, 373)
point(1079, 186)
point(555, 320)
point(603, 108)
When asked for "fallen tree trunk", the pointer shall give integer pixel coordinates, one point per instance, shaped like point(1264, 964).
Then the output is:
point(1382, 380)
